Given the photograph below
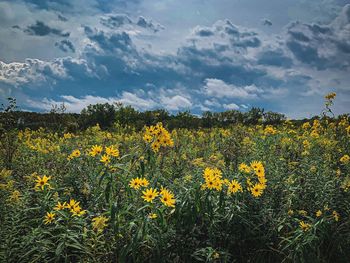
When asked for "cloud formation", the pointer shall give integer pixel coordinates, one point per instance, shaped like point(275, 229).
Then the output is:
point(322, 46)
point(41, 29)
point(215, 67)
point(65, 45)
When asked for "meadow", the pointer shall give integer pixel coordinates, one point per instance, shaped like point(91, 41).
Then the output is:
point(245, 193)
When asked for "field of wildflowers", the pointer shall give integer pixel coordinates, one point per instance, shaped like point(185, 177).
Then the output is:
point(240, 194)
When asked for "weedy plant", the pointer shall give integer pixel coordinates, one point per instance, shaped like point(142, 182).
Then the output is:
point(258, 193)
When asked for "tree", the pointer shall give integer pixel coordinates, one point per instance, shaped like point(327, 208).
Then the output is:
point(273, 117)
point(102, 114)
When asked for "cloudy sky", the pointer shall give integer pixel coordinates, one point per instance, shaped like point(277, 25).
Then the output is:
point(195, 55)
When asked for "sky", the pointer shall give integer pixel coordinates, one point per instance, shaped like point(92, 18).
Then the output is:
point(196, 55)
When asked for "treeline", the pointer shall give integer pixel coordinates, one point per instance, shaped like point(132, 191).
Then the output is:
point(108, 115)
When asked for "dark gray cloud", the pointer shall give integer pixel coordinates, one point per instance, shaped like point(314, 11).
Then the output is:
point(266, 22)
point(145, 23)
point(62, 18)
point(110, 42)
point(274, 57)
point(41, 29)
point(230, 34)
point(203, 32)
point(65, 45)
point(322, 46)
point(116, 21)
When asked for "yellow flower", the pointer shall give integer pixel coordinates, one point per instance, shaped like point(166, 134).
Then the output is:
point(304, 226)
point(313, 168)
point(216, 255)
point(244, 168)
point(99, 223)
point(233, 187)
point(15, 196)
point(144, 182)
point(60, 206)
point(76, 153)
point(147, 138)
point(257, 190)
point(290, 212)
point(150, 194)
point(95, 150)
point(260, 171)
point(135, 183)
point(67, 135)
point(270, 130)
point(345, 159)
point(210, 182)
point(306, 125)
point(262, 181)
point(167, 198)
point(212, 179)
point(330, 96)
point(336, 216)
point(49, 218)
point(41, 182)
point(338, 172)
point(112, 151)
point(318, 213)
point(256, 165)
point(159, 136)
point(77, 211)
point(155, 146)
point(302, 212)
point(105, 159)
point(72, 203)
point(152, 216)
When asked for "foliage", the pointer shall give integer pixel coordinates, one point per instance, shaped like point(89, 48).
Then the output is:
point(258, 193)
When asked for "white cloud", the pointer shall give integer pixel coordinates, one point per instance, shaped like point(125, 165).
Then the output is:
point(138, 100)
point(133, 100)
point(32, 70)
point(176, 102)
point(231, 106)
point(219, 89)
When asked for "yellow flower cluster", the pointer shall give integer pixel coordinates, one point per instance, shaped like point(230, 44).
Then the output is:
point(5, 182)
point(345, 159)
point(95, 150)
point(213, 179)
point(233, 187)
point(137, 182)
point(269, 130)
point(99, 223)
point(73, 206)
point(68, 135)
point(330, 96)
point(75, 154)
point(41, 182)
point(15, 196)
point(166, 197)
point(259, 171)
point(42, 145)
point(111, 151)
point(346, 184)
point(304, 226)
point(49, 218)
point(158, 136)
